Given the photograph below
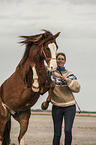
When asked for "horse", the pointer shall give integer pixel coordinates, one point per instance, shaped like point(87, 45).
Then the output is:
point(30, 79)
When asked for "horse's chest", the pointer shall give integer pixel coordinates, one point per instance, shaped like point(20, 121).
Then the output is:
point(42, 76)
point(42, 79)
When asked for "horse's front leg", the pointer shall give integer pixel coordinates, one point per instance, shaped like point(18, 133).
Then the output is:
point(45, 104)
point(35, 85)
point(23, 119)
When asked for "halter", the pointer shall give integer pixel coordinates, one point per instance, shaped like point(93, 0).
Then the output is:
point(47, 58)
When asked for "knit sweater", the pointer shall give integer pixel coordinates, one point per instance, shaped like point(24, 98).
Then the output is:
point(63, 92)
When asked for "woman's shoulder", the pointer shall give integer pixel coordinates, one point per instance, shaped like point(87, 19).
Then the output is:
point(67, 72)
point(71, 75)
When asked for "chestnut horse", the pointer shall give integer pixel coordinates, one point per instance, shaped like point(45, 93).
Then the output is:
point(30, 80)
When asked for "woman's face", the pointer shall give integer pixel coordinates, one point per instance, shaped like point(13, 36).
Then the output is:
point(60, 61)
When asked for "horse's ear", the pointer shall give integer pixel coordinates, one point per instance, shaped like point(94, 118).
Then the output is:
point(56, 35)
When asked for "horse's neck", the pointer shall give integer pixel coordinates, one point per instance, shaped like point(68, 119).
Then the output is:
point(40, 66)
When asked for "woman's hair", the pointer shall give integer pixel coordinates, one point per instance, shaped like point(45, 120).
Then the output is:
point(61, 53)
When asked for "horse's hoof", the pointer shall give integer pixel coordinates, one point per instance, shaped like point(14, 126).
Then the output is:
point(44, 105)
point(35, 86)
point(35, 89)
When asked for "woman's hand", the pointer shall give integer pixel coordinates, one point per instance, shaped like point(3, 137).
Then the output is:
point(64, 78)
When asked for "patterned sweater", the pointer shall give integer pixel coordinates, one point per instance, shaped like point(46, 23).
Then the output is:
point(63, 91)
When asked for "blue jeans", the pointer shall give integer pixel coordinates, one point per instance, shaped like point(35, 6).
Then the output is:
point(58, 113)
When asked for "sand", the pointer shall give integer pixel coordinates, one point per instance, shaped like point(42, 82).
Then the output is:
point(40, 130)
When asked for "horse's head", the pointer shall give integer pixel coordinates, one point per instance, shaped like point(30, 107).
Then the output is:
point(49, 48)
point(42, 46)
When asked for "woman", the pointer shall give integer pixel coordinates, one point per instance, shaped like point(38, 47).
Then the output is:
point(63, 100)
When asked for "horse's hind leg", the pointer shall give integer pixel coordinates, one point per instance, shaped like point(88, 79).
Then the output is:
point(4, 125)
point(23, 119)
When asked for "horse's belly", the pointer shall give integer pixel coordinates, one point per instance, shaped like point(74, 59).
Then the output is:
point(27, 100)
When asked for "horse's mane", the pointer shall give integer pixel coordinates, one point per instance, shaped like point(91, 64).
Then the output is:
point(34, 39)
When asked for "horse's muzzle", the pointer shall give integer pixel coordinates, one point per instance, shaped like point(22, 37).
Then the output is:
point(52, 65)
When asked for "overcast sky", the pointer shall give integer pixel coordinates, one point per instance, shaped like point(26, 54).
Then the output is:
point(75, 19)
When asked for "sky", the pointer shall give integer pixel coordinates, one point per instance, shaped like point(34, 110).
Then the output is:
point(75, 19)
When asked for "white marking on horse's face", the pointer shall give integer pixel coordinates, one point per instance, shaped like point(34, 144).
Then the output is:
point(0, 143)
point(52, 66)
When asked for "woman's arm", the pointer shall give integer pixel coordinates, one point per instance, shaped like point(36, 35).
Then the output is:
point(72, 84)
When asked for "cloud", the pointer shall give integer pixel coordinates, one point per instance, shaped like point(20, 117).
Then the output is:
point(81, 2)
point(75, 21)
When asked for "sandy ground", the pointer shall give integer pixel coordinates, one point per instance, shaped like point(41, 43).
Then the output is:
point(40, 131)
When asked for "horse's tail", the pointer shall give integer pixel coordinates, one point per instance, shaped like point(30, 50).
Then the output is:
point(6, 135)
